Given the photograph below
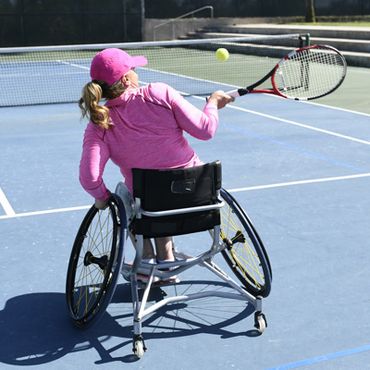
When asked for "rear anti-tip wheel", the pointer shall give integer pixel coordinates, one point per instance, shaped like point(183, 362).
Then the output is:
point(260, 322)
point(138, 346)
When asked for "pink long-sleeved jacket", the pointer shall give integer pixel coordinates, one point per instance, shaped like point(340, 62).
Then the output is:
point(147, 132)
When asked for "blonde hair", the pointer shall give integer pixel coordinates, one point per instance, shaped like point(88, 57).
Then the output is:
point(92, 93)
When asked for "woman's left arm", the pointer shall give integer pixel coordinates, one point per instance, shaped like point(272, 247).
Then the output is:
point(95, 154)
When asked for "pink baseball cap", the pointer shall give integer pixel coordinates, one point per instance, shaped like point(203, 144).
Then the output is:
point(109, 65)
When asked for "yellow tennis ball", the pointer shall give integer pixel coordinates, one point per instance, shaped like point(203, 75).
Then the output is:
point(222, 54)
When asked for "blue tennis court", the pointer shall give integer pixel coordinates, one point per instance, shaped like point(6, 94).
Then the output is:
point(302, 173)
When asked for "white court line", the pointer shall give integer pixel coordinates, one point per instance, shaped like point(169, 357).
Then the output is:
point(309, 102)
point(73, 65)
point(337, 108)
point(236, 190)
point(9, 211)
point(45, 212)
point(301, 182)
point(294, 123)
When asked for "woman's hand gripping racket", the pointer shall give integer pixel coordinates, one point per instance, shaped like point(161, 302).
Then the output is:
point(304, 74)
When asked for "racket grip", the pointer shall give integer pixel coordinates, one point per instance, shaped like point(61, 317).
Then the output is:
point(233, 93)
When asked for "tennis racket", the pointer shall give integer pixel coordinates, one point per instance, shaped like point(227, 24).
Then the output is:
point(307, 73)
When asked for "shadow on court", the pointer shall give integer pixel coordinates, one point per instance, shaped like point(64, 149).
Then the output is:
point(36, 329)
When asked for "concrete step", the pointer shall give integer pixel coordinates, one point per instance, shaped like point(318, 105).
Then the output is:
point(361, 46)
point(355, 33)
point(356, 51)
point(355, 59)
point(277, 51)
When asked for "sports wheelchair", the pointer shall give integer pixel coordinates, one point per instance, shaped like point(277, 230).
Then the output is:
point(165, 203)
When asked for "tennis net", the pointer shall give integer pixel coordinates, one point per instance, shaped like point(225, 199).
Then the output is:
point(44, 75)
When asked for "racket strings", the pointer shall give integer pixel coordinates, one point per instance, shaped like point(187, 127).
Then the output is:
point(310, 73)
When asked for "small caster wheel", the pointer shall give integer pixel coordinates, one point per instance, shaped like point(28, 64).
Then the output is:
point(139, 346)
point(260, 322)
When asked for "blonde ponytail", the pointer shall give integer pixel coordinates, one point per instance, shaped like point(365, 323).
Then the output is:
point(92, 93)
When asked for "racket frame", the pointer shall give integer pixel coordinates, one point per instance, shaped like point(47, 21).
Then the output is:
point(251, 89)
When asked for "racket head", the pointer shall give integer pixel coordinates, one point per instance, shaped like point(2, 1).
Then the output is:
point(309, 73)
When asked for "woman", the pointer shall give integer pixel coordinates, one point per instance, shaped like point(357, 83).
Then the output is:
point(138, 127)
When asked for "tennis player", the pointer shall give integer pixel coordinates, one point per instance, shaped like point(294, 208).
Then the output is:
point(138, 127)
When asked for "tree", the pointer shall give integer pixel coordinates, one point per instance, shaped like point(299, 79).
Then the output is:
point(310, 11)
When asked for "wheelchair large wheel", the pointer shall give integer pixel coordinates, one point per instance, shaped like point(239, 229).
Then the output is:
point(95, 262)
point(244, 251)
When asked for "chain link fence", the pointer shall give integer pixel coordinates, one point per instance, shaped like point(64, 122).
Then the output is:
point(56, 22)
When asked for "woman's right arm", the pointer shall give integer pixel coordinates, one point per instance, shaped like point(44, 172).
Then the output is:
point(200, 124)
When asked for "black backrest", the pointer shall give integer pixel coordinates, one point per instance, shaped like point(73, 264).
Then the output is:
point(161, 190)
point(177, 188)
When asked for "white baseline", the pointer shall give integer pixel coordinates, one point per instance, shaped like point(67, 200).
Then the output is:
point(300, 182)
point(9, 211)
point(235, 190)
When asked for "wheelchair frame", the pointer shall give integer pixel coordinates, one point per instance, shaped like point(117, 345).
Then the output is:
point(183, 262)
point(204, 259)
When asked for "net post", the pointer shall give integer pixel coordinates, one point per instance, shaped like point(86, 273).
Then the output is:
point(304, 40)
point(307, 39)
